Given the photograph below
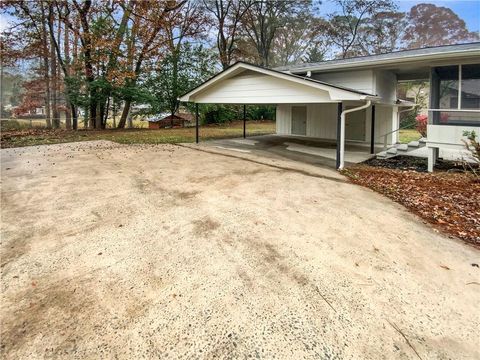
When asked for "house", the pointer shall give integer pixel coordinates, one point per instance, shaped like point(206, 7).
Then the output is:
point(355, 100)
point(168, 120)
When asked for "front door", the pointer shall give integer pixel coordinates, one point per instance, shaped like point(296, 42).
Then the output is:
point(299, 120)
point(355, 125)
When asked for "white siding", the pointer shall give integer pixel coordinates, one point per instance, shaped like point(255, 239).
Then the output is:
point(385, 121)
point(256, 88)
point(386, 86)
point(322, 121)
point(283, 119)
point(381, 83)
point(449, 134)
point(358, 80)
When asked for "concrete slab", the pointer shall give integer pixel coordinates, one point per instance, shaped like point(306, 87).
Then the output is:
point(305, 150)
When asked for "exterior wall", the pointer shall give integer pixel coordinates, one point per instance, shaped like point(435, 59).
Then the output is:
point(250, 87)
point(385, 86)
point(449, 135)
point(166, 122)
point(283, 119)
point(379, 82)
point(359, 80)
point(385, 122)
point(322, 121)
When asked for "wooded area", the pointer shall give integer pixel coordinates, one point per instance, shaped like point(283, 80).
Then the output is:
point(93, 60)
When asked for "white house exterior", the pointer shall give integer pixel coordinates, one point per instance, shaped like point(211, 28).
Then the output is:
point(355, 99)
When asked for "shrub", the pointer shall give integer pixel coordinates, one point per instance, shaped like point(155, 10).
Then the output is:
point(421, 124)
point(473, 146)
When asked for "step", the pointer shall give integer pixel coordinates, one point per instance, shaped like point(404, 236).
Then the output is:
point(423, 140)
point(402, 147)
point(414, 144)
point(392, 151)
point(382, 154)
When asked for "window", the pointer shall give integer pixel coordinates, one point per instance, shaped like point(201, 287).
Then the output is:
point(448, 87)
point(455, 95)
point(470, 87)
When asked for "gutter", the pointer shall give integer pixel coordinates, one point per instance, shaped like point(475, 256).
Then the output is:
point(354, 65)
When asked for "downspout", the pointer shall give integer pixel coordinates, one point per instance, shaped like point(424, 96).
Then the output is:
point(342, 131)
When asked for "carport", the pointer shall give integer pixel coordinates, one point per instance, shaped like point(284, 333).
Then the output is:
point(247, 84)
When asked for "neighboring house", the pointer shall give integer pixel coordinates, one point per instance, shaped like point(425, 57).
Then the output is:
point(355, 99)
point(165, 120)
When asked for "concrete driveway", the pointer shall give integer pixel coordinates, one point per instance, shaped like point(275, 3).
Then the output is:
point(116, 251)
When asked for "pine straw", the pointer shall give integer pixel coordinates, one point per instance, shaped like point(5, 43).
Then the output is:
point(449, 201)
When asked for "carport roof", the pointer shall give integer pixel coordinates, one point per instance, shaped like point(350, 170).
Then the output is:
point(240, 66)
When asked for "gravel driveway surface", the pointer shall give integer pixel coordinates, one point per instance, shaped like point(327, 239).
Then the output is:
point(169, 251)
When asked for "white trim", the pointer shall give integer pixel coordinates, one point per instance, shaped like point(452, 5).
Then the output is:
point(459, 105)
point(440, 55)
point(455, 110)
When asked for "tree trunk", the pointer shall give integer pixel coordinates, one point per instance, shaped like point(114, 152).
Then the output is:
point(114, 114)
point(130, 120)
point(125, 112)
point(53, 62)
point(98, 116)
point(84, 13)
point(75, 56)
point(46, 67)
point(92, 113)
point(86, 117)
point(73, 112)
point(70, 107)
point(105, 115)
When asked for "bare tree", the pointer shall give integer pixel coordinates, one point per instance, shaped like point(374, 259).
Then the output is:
point(297, 38)
point(264, 19)
point(381, 33)
point(227, 16)
point(46, 65)
point(345, 25)
point(54, 72)
point(144, 41)
point(430, 25)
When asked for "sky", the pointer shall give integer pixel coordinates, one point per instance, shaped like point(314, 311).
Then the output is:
point(468, 10)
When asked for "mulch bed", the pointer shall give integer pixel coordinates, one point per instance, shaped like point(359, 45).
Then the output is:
point(449, 198)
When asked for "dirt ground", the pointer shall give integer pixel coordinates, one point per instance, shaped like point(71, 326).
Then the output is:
point(129, 251)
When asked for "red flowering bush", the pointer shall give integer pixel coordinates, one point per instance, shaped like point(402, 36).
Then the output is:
point(444, 118)
point(421, 124)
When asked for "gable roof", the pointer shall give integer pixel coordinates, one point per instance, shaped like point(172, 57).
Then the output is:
point(427, 53)
point(240, 66)
point(167, 116)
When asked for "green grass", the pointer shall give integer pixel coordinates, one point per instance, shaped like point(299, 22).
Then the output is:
point(23, 124)
point(407, 135)
point(32, 137)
